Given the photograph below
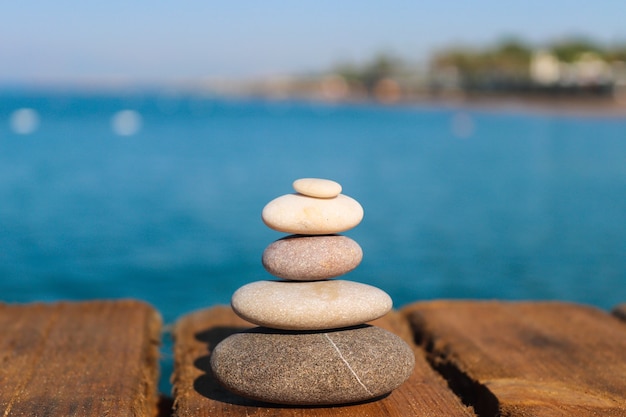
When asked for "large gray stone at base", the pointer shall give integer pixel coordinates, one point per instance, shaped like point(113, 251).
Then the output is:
point(313, 368)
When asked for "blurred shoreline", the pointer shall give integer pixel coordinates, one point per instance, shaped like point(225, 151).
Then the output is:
point(332, 90)
point(326, 91)
point(573, 106)
point(573, 76)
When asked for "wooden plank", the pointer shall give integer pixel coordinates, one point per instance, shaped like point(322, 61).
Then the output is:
point(522, 359)
point(197, 393)
point(79, 359)
point(620, 312)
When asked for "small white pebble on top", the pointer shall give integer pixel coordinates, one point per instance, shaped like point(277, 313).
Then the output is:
point(317, 187)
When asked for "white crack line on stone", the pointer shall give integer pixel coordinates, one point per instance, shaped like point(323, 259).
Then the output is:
point(348, 365)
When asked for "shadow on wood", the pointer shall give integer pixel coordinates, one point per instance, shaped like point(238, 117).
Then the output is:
point(206, 384)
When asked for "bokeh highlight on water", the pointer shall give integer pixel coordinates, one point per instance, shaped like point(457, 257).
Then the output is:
point(158, 197)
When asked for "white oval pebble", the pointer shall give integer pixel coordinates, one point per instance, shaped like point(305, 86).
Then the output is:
point(315, 305)
point(300, 214)
point(317, 187)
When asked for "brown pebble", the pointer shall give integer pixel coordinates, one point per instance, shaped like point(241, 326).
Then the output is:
point(312, 258)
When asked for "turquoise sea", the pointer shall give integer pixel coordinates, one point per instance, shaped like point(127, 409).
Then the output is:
point(158, 197)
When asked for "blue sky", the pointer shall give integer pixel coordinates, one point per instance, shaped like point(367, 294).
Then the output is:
point(161, 40)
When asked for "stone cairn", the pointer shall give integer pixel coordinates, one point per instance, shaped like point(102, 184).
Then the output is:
point(313, 346)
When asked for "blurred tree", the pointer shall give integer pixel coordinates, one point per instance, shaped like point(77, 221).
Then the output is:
point(617, 53)
point(369, 75)
point(512, 54)
point(570, 50)
point(504, 64)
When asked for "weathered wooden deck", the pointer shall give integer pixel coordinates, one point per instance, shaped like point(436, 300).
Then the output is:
point(79, 359)
point(472, 359)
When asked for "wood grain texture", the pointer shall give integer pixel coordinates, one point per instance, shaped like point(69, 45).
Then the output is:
point(197, 393)
point(79, 359)
point(526, 359)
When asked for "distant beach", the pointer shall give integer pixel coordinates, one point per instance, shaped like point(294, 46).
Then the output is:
point(574, 106)
point(335, 90)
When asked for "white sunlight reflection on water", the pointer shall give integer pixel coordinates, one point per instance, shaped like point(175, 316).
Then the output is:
point(24, 121)
point(126, 122)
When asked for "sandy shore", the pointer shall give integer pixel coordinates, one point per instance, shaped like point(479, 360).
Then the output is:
point(572, 106)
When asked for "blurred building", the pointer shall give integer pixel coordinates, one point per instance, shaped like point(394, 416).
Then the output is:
point(574, 69)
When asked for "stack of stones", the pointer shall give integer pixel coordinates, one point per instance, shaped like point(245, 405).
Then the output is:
point(313, 346)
